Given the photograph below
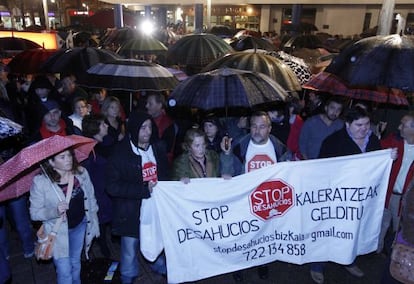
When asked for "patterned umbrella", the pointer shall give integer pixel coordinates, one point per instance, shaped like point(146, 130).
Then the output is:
point(129, 75)
point(326, 82)
point(197, 49)
point(259, 62)
point(298, 65)
point(9, 128)
point(377, 61)
point(227, 88)
point(77, 60)
point(142, 45)
point(29, 61)
point(17, 173)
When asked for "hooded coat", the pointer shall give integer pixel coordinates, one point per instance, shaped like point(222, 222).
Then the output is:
point(124, 181)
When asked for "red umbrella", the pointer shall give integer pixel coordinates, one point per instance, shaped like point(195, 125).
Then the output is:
point(29, 61)
point(327, 82)
point(17, 173)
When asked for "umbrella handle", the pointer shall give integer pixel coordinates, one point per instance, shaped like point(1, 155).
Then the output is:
point(51, 183)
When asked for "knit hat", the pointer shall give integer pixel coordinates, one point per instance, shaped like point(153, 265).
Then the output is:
point(135, 121)
point(48, 106)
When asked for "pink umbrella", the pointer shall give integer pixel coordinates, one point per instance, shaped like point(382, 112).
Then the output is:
point(17, 173)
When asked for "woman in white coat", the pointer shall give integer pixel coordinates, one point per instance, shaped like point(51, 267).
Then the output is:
point(80, 222)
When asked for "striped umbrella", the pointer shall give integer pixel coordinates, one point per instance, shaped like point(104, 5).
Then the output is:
point(327, 82)
point(129, 75)
point(141, 46)
point(259, 62)
point(197, 49)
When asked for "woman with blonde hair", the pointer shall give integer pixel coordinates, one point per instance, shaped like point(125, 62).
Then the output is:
point(111, 109)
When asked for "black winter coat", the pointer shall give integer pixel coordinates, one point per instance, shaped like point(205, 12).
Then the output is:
point(340, 143)
point(125, 186)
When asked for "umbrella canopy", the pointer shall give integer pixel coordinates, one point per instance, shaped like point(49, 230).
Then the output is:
point(309, 55)
point(296, 64)
point(129, 75)
point(9, 128)
point(30, 61)
point(117, 37)
point(326, 82)
point(77, 60)
point(227, 88)
point(377, 61)
point(179, 74)
point(221, 31)
point(259, 62)
point(17, 43)
point(302, 41)
point(198, 49)
point(141, 45)
point(18, 172)
point(249, 42)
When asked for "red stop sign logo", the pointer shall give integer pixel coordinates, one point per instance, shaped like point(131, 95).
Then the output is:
point(271, 199)
point(258, 162)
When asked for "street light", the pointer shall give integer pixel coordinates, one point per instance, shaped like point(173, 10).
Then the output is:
point(87, 8)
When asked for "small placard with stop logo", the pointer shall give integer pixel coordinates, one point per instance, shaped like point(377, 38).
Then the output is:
point(271, 199)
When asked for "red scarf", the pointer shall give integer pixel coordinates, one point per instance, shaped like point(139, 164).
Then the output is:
point(46, 133)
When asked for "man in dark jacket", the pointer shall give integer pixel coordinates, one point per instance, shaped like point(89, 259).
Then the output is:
point(355, 137)
point(135, 166)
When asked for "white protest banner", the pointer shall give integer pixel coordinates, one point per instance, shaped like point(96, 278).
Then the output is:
point(297, 212)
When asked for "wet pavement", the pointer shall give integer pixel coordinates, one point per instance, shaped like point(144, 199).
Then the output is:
point(30, 271)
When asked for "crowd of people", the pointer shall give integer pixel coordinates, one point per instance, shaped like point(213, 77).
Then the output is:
point(136, 149)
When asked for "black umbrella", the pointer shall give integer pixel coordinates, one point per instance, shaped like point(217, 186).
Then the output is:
point(259, 62)
point(198, 49)
point(221, 31)
point(77, 60)
point(251, 42)
point(117, 37)
point(302, 41)
point(377, 61)
point(227, 88)
point(141, 46)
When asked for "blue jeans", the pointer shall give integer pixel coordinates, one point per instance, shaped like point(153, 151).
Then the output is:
point(129, 260)
point(18, 213)
point(68, 268)
point(5, 272)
